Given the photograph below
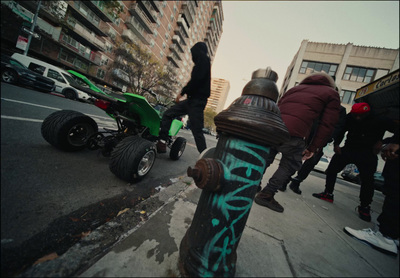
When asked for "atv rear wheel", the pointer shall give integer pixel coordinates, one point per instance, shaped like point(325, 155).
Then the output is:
point(133, 158)
point(68, 130)
point(177, 148)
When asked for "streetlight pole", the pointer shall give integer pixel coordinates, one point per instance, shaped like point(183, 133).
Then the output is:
point(32, 28)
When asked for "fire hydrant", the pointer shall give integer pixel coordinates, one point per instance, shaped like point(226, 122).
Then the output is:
point(229, 179)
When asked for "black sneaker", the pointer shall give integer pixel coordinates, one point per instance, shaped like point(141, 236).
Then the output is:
point(324, 196)
point(294, 186)
point(364, 213)
point(267, 200)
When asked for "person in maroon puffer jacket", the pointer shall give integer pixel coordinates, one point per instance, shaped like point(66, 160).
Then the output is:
point(314, 98)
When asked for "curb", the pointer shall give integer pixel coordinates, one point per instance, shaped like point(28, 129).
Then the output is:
point(100, 241)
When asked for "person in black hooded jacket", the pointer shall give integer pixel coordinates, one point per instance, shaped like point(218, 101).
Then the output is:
point(197, 91)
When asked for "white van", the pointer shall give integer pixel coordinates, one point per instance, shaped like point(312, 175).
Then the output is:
point(63, 80)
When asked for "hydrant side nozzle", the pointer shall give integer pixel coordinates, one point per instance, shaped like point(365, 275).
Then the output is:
point(206, 174)
point(193, 173)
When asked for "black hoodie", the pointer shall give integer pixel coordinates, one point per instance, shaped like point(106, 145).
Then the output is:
point(199, 85)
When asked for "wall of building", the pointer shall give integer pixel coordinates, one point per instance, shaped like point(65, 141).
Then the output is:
point(381, 60)
point(95, 37)
point(219, 93)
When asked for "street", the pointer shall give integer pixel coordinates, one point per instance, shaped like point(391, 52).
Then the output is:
point(50, 198)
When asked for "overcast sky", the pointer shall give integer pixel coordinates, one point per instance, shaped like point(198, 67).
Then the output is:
point(257, 34)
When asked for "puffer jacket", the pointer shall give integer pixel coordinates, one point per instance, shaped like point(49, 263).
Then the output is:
point(199, 86)
point(314, 98)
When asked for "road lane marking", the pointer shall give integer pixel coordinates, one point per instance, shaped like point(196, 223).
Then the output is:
point(101, 124)
point(23, 102)
point(192, 145)
point(99, 119)
point(48, 107)
point(21, 119)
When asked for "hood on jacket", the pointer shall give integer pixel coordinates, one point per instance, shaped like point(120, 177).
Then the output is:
point(319, 78)
point(197, 50)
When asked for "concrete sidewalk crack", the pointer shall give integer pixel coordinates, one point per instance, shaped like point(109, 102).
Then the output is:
point(282, 243)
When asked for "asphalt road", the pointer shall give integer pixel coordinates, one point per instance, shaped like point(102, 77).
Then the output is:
point(42, 187)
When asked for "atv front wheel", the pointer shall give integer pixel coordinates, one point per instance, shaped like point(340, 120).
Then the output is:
point(68, 130)
point(132, 158)
point(177, 148)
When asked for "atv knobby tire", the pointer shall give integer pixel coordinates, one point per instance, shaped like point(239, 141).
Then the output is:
point(132, 158)
point(68, 130)
point(177, 148)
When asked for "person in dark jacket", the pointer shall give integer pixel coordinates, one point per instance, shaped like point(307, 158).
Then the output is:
point(197, 91)
point(363, 142)
point(309, 164)
point(384, 238)
point(314, 98)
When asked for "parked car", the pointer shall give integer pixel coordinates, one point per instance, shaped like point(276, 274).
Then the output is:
point(322, 164)
point(64, 82)
point(206, 131)
point(350, 173)
point(14, 72)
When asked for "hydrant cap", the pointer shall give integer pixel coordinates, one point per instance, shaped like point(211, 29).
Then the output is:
point(263, 83)
point(267, 73)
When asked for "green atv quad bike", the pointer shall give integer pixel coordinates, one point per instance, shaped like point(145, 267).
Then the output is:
point(131, 148)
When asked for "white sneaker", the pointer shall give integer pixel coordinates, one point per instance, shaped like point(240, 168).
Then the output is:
point(375, 239)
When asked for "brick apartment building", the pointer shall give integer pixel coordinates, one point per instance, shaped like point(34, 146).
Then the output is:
point(83, 35)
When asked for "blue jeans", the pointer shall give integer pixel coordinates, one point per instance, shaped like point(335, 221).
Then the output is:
point(291, 162)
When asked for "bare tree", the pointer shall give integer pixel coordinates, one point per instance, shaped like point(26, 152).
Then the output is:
point(145, 71)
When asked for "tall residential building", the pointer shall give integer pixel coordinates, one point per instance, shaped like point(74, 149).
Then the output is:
point(219, 93)
point(83, 35)
point(353, 66)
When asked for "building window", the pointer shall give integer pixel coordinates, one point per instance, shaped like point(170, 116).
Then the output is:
point(359, 74)
point(347, 97)
point(318, 67)
point(116, 20)
point(82, 65)
point(100, 73)
point(67, 57)
point(70, 41)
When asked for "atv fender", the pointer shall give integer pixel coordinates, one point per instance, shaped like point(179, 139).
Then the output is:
point(175, 127)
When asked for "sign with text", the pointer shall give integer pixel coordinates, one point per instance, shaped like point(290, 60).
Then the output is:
point(379, 84)
point(22, 42)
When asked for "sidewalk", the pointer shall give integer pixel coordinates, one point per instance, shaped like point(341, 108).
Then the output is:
point(306, 240)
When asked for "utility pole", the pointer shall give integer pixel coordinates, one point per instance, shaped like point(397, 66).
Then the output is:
point(32, 28)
